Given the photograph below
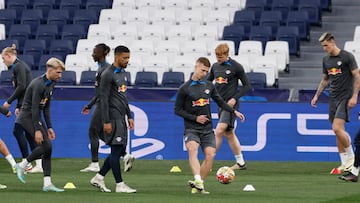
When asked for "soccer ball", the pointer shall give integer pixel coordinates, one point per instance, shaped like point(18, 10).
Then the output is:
point(225, 175)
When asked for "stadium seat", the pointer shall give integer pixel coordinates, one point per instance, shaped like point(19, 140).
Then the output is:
point(124, 5)
point(8, 43)
point(44, 58)
point(8, 18)
point(258, 6)
point(28, 59)
point(88, 78)
point(146, 79)
point(77, 63)
point(267, 65)
point(47, 33)
point(235, 33)
point(175, 4)
point(244, 60)
point(228, 5)
point(110, 16)
point(164, 17)
point(127, 33)
point(158, 64)
point(167, 47)
point(86, 46)
point(257, 80)
point(326, 5)
point(35, 48)
point(2, 32)
point(151, 5)
point(354, 48)
point(245, 18)
point(262, 34)
point(142, 47)
point(180, 33)
point(204, 6)
point(279, 49)
point(134, 66)
point(313, 7)
point(37, 73)
point(152, 32)
point(96, 5)
point(272, 19)
point(45, 6)
point(6, 78)
point(194, 47)
point(251, 48)
point(58, 18)
point(300, 19)
point(86, 17)
point(70, 5)
point(138, 17)
point(208, 33)
point(190, 18)
point(183, 64)
point(284, 7)
point(291, 35)
point(19, 6)
point(99, 32)
point(172, 79)
point(73, 32)
point(216, 18)
point(21, 33)
point(357, 33)
point(68, 78)
point(32, 17)
point(61, 47)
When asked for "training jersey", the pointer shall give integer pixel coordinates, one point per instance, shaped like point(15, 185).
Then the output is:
point(21, 79)
point(36, 100)
point(113, 94)
point(95, 99)
point(193, 99)
point(226, 77)
point(341, 80)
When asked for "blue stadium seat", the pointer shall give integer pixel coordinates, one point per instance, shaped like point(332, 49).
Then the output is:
point(235, 33)
point(28, 59)
point(258, 6)
point(262, 34)
point(61, 47)
point(284, 6)
point(44, 58)
point(47, 33)
point(257, 80)
point(45, 6)
point(88, 78)
point(172, 79)
point(36, 48)
point(73, 32)
point(146, 79)
point(68, 78)
point(272, 19)
point(291, 35)
point(300, 19)
point(96, 5)
point(8, 42)
point(326, 5)
point(21, 33)
point(37, 73)
point(19, 6)
point(245, 18)
point(8, 18)
point(6, 78)
point(32, 17)
point(70, 5)
point(58, 17)
point(85, 17)
point(313, 7)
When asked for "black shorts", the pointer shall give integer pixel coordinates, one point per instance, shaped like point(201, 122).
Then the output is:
point(339, 109)
point(205, 139)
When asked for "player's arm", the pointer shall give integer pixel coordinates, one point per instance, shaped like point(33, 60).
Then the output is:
point(37, 90)
point(246, 85)
point(322, 85)
point(21, 85)
point(105, 89)
point(180, 106)
point(354, 98)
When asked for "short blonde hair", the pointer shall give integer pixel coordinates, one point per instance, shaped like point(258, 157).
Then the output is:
point(222, 48)
point(9, 50)
point(55, 63)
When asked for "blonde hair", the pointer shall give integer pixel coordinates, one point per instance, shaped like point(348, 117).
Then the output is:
point(9, 50)
point(55, 63)
point(221, 49)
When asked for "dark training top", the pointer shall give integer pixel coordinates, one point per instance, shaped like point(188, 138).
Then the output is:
point(95, 99)
point(21, 77)
point(193, 99)
point(226, 76)
point(339, 68)
point(113, 97)
point(36, 100)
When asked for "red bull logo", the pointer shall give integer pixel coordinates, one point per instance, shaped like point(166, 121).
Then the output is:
point(221, 80)
point(334, 71)
point(122, 88)
point(201, 102)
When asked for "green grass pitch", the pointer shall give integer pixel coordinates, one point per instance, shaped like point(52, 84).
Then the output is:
point(278, 182)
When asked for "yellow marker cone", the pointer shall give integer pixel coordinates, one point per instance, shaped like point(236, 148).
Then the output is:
point(175, 169)
point(69, 185)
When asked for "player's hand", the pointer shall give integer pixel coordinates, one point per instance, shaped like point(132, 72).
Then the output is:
point(51, 134)
point(131, 124)
point(107, 128)
point(314, 101)
point(17, 112)
point(8, 114)
point(352, 102)
point(6, 105)
point(38, 137)
point(85, 110)
point(202, 119)
point(240, 115)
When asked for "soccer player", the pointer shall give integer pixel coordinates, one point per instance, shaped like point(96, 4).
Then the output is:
point(354, 173)
point(5, 152)
point(99, 54)
point(226, 72)
point(193, 104)
point(114, 110)
point(37, 104)
point(341, 73)
point(21, 80)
